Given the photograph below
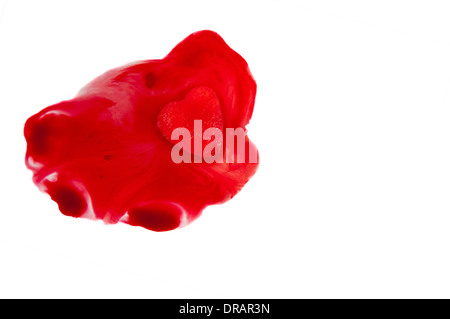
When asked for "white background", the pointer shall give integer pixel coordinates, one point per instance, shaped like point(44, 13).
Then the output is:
point(352, 120)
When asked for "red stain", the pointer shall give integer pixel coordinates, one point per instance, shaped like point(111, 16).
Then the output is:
point(106, 154)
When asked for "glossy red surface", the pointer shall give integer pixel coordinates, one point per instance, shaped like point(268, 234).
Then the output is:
point(106, 154)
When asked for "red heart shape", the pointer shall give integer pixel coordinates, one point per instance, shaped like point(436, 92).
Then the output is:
point(201, 103)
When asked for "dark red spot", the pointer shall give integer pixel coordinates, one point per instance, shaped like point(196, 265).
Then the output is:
point(47, 136)
point(69, 200)
point(157, 216)
point(150, 80)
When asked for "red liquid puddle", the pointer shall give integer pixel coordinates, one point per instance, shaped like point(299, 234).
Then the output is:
point(106, 154)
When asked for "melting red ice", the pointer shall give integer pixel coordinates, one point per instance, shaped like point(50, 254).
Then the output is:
point(106, 154)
